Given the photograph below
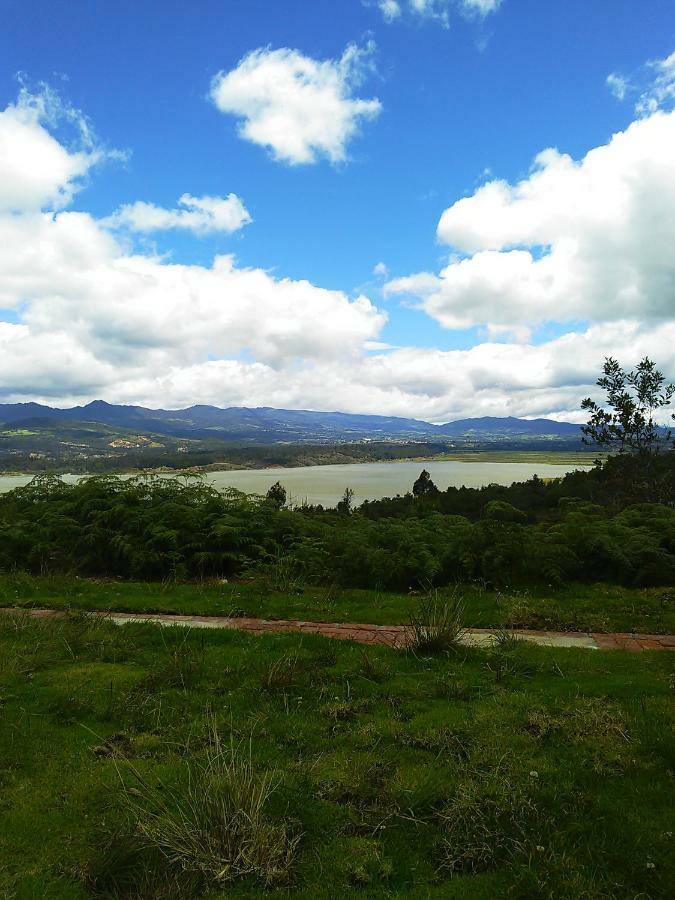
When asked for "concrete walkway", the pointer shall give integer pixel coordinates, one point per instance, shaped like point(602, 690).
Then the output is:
point(390, 635)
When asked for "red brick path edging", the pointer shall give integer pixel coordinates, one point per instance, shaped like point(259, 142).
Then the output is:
point(635, 643)
point(390, 635)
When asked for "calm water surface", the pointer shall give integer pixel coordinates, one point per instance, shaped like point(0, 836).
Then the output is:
point(369, 481)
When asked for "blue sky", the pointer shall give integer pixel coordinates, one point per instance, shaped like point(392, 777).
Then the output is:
point(460, 106)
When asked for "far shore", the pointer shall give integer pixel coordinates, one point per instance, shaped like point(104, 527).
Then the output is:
point(548, 457)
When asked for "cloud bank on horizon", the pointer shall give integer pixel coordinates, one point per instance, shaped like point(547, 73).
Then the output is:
point(86, 314)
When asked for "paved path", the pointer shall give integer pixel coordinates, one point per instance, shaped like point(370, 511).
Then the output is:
point(391, 635)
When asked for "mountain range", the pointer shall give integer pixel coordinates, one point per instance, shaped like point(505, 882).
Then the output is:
point(268, 425)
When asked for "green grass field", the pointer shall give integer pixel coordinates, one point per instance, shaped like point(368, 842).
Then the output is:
point(142, 762)
point(576, 607)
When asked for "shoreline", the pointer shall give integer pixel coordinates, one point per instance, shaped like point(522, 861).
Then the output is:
point(551, 458)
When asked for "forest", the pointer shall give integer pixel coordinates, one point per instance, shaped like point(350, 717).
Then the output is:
point(614, 523)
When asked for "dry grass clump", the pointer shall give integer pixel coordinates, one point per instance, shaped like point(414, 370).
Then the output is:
point(214, 824)
point(597, 719)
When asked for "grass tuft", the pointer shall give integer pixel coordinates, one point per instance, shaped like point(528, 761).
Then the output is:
point(213, 824)
point(282, 673)
point(437, 626)
point(489, 820)
point(372, 669)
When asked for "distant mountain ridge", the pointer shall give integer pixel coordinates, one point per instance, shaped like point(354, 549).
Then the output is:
point(509, 425)
point(266, 424)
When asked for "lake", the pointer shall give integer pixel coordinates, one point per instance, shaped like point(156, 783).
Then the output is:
point(369, 481)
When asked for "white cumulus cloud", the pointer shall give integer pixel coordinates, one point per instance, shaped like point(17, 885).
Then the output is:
point(65, 272)
point(589, 239)
point(201, 215)
point(300, 109)
point(90, 319)
point(36, 170)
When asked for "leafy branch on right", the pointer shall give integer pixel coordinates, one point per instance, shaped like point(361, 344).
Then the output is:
point(634, 399)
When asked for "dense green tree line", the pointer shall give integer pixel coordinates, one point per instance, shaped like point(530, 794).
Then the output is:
point(615, 523)
point(619, 482)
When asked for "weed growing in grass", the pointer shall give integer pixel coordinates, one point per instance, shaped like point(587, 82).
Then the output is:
point(547, 874)
point(330, 596)
point(437, 626)
point(282, 573)
point(346, 710)
point(361, 782)
point(122, 870)
point(518, 606)
point(31, 644)
point(213, 824)
point(372, 669)
point(649, 722)
point(397, 708)
point(341, 711)
point(181, 663)
point(594, 718)
point(115, 745)
point(506, 641)
point(282, 673)
point(442, 742)
point(323, 658)
point(363, 862)
point(598, 717)
point(73, 703)
point(510, 658)
point(490, 819)
point(451, 687)
point(141, 708)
